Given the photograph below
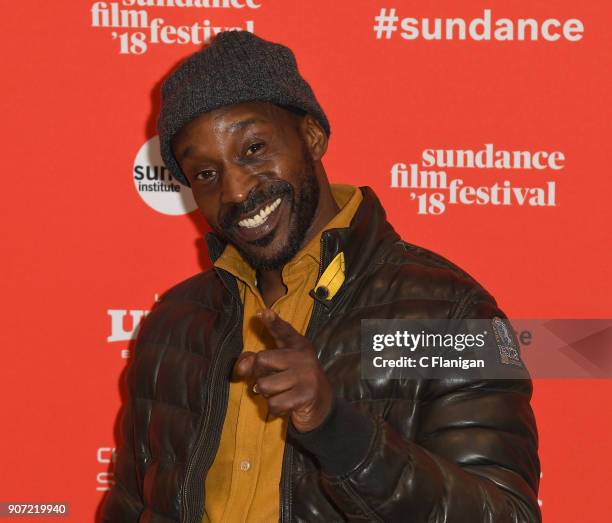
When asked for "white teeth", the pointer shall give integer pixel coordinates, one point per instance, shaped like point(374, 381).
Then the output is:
point(260, 218)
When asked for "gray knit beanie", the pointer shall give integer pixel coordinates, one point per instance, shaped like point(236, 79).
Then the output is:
point(237, 67)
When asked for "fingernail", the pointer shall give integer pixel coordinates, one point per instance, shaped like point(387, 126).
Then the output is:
point(265, 314)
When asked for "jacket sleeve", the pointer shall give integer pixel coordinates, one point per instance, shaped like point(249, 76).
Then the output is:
point(471, 458)
point(123, 502)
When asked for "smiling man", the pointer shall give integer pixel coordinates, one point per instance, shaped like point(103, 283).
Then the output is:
point(267, 218)
point(246, 400)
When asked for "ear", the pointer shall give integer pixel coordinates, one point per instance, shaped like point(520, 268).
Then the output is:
point(314, 136)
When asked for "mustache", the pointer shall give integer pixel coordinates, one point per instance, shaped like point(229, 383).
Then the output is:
point(231, 214)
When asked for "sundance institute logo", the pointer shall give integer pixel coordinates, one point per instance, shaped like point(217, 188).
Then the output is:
point(156, 186)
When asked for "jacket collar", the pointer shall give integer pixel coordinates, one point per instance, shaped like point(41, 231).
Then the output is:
point(363, 242)
point(367, 237)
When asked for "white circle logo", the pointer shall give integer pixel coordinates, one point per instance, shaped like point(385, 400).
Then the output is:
point(156, 186)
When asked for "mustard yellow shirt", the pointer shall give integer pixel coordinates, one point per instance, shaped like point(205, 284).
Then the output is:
point(243, 482)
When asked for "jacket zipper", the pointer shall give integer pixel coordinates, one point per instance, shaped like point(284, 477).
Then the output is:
point(216, 405)
point(286, 492)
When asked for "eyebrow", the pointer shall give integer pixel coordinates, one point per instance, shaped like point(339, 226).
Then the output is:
point(232, 128)
point(239, 126)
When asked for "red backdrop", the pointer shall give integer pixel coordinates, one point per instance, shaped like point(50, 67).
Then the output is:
point(82, 247)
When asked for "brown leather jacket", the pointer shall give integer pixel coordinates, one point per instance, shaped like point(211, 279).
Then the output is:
point(392, 450)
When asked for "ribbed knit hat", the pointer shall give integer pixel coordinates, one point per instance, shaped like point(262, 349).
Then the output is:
point(237, 67)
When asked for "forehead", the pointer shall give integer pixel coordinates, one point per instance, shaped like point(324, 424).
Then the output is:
point(233, 118)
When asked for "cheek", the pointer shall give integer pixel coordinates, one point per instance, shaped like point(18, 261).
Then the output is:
point(290, 172)
point(208, 207)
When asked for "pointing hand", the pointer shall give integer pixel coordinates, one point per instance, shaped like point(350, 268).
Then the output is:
point(290, 377)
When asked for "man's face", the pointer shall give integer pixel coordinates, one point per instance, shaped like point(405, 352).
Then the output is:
point(253, 178)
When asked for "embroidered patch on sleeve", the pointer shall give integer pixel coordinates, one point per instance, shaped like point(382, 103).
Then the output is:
point(508, 348)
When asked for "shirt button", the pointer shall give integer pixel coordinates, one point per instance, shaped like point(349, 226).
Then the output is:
point(245, 465)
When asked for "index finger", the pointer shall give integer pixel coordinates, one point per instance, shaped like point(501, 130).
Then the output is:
point(283, 333)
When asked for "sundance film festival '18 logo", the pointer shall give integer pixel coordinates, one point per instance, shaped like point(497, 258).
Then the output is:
point(434, 187)
point(156, 186)
point(136, 28)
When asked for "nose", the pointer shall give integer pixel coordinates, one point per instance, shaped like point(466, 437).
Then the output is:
point(237, 184)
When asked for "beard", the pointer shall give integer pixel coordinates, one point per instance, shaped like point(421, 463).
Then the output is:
point(303, 207)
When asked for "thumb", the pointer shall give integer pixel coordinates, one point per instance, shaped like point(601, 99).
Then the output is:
point(243, 368)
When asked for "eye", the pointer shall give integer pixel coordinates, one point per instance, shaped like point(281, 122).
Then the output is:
point(206, 175)
point(253, 148)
